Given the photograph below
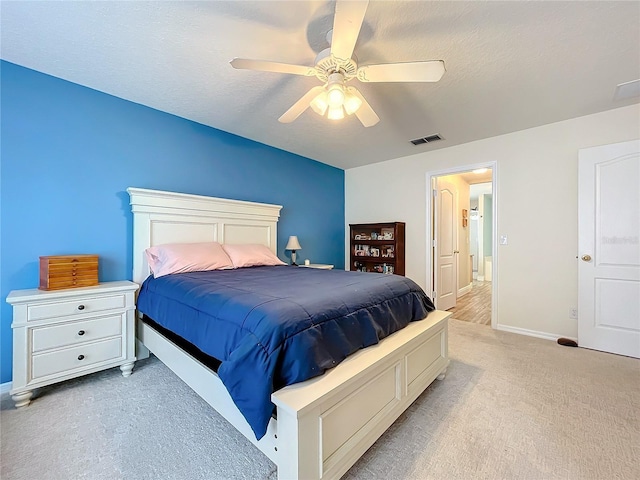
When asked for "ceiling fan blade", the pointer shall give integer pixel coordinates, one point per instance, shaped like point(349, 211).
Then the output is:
point(365, 113)
point(301, 105)
point(430, 71)
point(265, 66)
point(346, 27)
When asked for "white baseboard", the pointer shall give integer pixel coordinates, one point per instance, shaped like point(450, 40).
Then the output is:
point(464, 290)
point(532, 333)
point(5, 387)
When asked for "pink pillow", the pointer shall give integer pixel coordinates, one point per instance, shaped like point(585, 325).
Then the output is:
point(251, 255)
point(187, 257)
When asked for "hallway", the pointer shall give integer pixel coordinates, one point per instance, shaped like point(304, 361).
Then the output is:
point(475, 306)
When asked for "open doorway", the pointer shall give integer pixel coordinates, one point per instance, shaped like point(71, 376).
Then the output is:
point(462, 227)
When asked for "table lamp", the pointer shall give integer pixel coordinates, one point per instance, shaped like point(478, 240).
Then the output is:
point(293, 245)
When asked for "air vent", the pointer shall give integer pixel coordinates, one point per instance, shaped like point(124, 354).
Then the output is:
point(429, 139)
point(627, 90)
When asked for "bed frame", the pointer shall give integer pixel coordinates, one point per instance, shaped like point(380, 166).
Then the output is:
point(324, 425)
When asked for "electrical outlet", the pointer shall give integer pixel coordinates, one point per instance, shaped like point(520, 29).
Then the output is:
point(573, 313)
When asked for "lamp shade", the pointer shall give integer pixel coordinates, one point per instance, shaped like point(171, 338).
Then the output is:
point(293, 243)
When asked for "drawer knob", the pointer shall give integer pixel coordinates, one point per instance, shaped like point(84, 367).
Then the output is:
point(80, 357)
point(81, 332)
point(80, 307)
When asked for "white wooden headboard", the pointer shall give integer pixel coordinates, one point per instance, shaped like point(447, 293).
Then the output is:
point(167, 217)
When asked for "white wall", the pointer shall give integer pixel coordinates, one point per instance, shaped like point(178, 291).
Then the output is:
point(537, 207)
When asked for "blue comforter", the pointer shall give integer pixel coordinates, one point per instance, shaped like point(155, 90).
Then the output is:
point(275, 326)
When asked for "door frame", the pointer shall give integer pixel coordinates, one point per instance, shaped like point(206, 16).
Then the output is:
point(430, 264)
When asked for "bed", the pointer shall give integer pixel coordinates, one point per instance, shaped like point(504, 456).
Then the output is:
point(324, 424)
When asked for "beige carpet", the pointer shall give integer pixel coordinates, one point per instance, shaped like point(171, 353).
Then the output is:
point(511, 407)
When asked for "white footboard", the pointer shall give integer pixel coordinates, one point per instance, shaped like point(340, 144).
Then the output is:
point(326, 424)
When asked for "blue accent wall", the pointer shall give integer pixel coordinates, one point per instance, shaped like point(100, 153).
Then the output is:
point(68, 154)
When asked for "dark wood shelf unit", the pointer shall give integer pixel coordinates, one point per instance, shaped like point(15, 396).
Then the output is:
point(373, 251)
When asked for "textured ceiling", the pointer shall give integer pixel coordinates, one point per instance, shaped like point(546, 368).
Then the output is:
point(510, 65)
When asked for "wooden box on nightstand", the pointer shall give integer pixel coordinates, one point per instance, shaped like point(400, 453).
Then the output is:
point(62, 334)
point(68, 271)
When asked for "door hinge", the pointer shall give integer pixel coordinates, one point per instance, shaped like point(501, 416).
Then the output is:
point(434, 295)
point(433, 243)
point(435, 192)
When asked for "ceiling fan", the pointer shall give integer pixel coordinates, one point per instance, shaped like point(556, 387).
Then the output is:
point(336, 66)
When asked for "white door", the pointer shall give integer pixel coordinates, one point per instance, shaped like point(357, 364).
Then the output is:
point(446, 236)
point(609, 248)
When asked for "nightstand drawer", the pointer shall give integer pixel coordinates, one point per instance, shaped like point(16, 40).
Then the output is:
point(44, 338)
point(75, 357)
point(79, 306)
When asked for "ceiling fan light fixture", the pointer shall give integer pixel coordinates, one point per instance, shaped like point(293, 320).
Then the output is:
point(351, 103)
point(320, 104)
point(335, 113)
point(335, 95)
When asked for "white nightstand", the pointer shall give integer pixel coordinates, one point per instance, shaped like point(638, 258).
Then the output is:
point(322, 266)
point(62, 334)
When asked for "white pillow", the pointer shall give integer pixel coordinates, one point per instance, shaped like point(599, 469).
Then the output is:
point(187, 257)
point(251, 255)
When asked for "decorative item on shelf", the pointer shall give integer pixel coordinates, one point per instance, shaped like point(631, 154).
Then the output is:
point(464, 217)
point(386, 233)
point(359, 267)
point(293, 244)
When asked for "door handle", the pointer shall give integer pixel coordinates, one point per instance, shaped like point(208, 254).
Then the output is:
point(456, 251)
point(586, 258)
